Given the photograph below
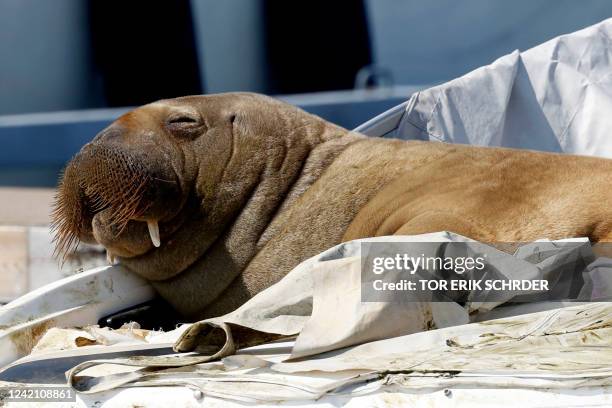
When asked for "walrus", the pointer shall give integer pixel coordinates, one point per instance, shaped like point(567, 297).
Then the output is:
point(214, 198)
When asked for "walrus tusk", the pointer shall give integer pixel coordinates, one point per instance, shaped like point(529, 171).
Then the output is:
point(111, 258)
point(154, 233)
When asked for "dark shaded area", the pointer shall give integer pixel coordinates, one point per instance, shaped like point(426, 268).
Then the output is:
point(155, 314)
point(316, 45)
point(143, 51)
point(52, 370)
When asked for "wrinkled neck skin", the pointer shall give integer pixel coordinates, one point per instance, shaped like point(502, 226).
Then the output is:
point(235, 217)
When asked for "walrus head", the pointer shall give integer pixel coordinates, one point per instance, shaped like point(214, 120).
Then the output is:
point(163, 182)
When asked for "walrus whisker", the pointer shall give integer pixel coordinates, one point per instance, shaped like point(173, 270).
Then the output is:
point(67, 215)
point(165, 181)
point(128, 208)
point(127, 211)
point(96, 194)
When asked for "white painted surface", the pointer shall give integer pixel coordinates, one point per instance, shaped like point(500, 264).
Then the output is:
point(74, 301)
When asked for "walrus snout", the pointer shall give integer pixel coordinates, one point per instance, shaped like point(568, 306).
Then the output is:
point(116, 193)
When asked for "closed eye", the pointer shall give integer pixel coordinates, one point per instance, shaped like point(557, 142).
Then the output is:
point(182, 119)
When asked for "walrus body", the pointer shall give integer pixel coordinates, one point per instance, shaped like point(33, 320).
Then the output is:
point(243, 188)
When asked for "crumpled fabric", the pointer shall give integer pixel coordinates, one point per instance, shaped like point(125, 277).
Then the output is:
point(319, 301)
point(554, 97)
point(557, 351)
point(58, 338)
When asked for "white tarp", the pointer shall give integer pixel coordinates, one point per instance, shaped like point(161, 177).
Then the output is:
point(560, 350)
point(554, 97)
point(320, 301)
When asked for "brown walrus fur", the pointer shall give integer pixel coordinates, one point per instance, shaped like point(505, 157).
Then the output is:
point(244, 187)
